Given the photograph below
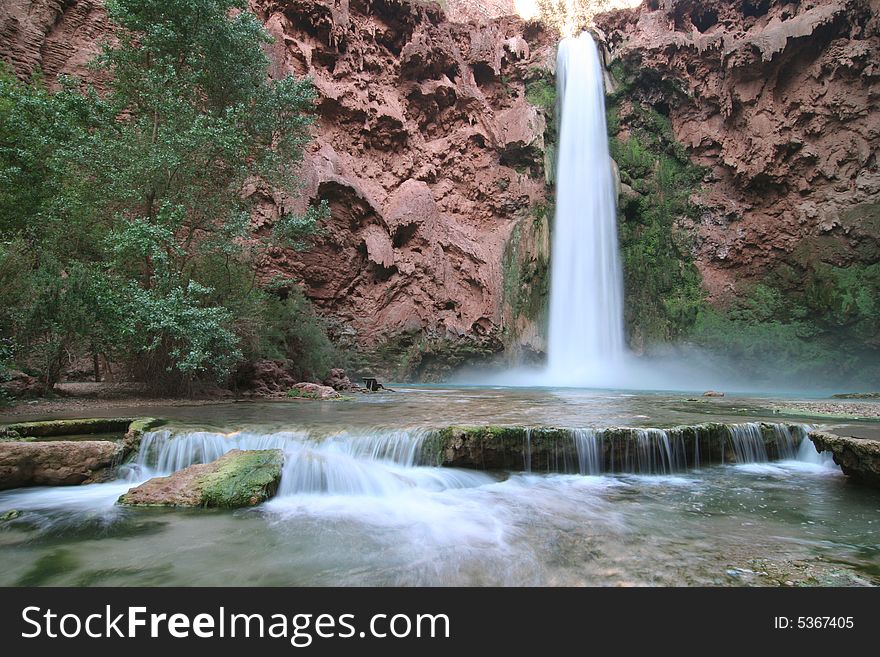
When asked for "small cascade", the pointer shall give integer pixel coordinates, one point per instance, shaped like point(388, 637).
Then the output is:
point(807, 453)
point(164, 452)
point(587, 442)
point(377, 463)
point(387, 462)
point(748, 442)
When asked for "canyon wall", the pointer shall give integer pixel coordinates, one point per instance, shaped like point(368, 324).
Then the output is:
point(778, 101)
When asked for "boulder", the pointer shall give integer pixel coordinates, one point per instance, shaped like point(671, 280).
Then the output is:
point(713, 393)
point(264, 378)
point(315, 391)
point(338, 380)
point(19, 384)
point(237, 479)
point(57, 463)
point(859, 458)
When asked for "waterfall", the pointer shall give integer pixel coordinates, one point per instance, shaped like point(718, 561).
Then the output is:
point(587, 442)
point(586, 298)
point(748, 443)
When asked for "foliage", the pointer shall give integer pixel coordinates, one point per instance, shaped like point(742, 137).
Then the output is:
point(296, 393)
point(541, 91)
point(763, 333)
point(124, 227)
point(293, 332)
point(662, 285)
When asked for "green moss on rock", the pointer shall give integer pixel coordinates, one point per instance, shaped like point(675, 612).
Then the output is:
point(131, 442)
point(247, 480)
point(237, 479)
point(49, 428)
point(620, 449)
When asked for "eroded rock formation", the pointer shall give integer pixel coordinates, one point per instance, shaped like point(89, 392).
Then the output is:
point(778, 101)
point(432, 159)
point(859, 458)
point(428, 153)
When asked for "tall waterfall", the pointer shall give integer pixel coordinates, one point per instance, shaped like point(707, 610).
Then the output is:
point(586, 299)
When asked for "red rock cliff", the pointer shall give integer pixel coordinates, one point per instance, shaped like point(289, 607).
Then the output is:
point(779, 101)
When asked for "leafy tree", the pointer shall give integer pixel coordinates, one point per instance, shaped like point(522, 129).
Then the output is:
point(123, 209)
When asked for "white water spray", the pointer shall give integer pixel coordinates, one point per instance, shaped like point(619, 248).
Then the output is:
point(586, 301)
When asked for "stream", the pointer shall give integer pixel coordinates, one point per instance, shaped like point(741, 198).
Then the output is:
point(356, 507)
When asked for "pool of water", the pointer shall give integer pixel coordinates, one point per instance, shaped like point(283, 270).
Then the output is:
point(425, 407)
point(358, 509)
point(726, 525)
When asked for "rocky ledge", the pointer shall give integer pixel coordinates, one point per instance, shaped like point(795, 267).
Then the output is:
point(237, 479)
point(37, 454)
point(859, 458)
point(612, 449)
point(57, 463)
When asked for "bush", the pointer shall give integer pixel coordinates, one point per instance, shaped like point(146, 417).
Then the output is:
point(293, 332)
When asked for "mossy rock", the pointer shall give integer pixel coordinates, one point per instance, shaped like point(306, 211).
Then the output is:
point(619, 449)
point(51, 428)
point(235, 480)
point(132, 440)
point(248, 479)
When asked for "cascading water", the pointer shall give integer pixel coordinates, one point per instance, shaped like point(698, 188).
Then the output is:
point(586, 298)
point(377, 463)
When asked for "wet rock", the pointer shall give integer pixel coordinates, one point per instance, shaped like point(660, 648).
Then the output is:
point(131, 441)
point(314, 391)
point(338, 380)
point(237, 479)
point(57, 463)
point(48, 428)
point(859, 458)
point(610, 449)
point(12, 514)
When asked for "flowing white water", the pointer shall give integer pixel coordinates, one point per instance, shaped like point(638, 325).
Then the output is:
point(586, 299)
point(378, 463)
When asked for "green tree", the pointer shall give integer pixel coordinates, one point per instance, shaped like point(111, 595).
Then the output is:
point(130, 204)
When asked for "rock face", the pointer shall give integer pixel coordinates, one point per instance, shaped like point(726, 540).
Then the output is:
point(56, 463)
point(236, 479)
point(775, 99)
point(859, 458)
point(428, 153)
